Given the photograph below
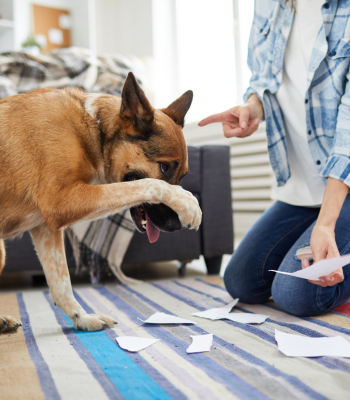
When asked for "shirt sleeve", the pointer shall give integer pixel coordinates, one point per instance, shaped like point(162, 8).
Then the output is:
point(338, 163)
point(258, 50)
point(255, 85)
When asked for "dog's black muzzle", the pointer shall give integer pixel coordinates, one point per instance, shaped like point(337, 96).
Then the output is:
point(163, 217)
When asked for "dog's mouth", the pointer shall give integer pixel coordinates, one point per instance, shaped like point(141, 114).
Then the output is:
point(144, 224)
point(153, 218)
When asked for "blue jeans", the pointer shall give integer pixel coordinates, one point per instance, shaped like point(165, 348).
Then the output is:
point(271, 243)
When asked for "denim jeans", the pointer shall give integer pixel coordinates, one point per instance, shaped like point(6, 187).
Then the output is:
point(271, 243)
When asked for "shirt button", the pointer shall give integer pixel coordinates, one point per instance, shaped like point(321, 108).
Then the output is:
point(306, 101)
point(309, 132)
point(318, 162)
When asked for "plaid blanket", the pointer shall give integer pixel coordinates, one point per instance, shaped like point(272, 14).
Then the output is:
point(99, 244)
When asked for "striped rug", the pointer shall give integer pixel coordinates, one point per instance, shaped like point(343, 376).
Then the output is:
point(48, 359)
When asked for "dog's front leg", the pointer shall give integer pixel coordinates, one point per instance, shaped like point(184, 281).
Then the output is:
point(49, 246)
point(7, 323)
point(90, 202)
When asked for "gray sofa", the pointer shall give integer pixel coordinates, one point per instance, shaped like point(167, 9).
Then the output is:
point(209, 180)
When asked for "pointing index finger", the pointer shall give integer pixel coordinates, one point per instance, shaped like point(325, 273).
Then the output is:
point(211, 119)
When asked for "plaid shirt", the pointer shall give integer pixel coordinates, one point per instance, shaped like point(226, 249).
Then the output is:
point(327, 98)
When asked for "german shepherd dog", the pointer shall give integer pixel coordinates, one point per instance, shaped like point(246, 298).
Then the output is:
point(66, 156)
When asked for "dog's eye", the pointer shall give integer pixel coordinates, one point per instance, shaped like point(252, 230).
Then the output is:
point(164, 167)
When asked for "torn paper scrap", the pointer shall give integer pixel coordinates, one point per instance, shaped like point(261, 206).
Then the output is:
point(217, 313)
point(162, 318)
point(321, 268)
point(200, 343)
point(225, 313)
point(134, 343)
point(301, 346)
point(247, 318)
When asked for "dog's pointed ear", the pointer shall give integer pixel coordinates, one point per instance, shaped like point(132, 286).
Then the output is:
point(178, 109)
point(135, 105)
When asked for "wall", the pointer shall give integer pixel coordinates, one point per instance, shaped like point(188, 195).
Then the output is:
point(124, 26)
point(83, 23)
point(104, 26)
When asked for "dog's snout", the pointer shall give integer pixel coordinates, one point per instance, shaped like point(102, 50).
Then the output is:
point(163, 217)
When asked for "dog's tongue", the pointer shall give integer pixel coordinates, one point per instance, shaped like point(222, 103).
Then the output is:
point(152, 231)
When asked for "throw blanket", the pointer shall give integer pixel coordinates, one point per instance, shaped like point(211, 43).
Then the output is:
point(99, 243)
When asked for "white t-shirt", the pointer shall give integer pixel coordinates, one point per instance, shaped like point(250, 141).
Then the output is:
point(305, 187)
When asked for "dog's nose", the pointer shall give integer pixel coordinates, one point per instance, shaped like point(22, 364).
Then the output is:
point(163, 217)
point(173, 224)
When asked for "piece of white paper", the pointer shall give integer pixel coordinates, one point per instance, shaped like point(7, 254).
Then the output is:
point(321, 268)
point(200, 343)
point(55, 36)
point(162, 318)
point(64, 21)
point(134, 343)
point(301, 346)
point(225, 313)
point(217, 313)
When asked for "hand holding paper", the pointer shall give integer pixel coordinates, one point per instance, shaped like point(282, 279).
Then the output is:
point(321, 268)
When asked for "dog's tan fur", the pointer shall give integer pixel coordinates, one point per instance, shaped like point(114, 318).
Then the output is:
point(57, 144)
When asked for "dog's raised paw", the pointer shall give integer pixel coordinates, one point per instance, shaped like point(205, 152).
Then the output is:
point(9, 324)
point(187, 207)
point(93, 322)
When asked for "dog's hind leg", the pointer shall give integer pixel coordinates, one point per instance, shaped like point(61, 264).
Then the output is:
point(49, 246)
point(7, 323)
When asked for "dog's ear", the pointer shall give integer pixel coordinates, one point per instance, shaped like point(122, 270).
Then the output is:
point(135, 105)
point(178, 109)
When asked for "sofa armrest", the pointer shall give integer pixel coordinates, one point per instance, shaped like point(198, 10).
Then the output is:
point(216, 201)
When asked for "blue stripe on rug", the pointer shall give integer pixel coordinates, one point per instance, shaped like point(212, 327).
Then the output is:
point(131, 381)
point(45, 378)
point(162, 381)
point(90, 362)
point(233, 384)
point(340, 314)
point(211, 284)
point(328, 362)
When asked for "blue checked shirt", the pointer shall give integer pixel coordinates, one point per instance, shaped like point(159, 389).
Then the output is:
point(327, 98)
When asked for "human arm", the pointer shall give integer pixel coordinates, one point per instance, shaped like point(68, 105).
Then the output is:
point(243, 120)
point(239, 121)
point(323, 244)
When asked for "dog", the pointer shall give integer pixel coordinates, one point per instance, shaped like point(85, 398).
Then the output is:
point(67, 156)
